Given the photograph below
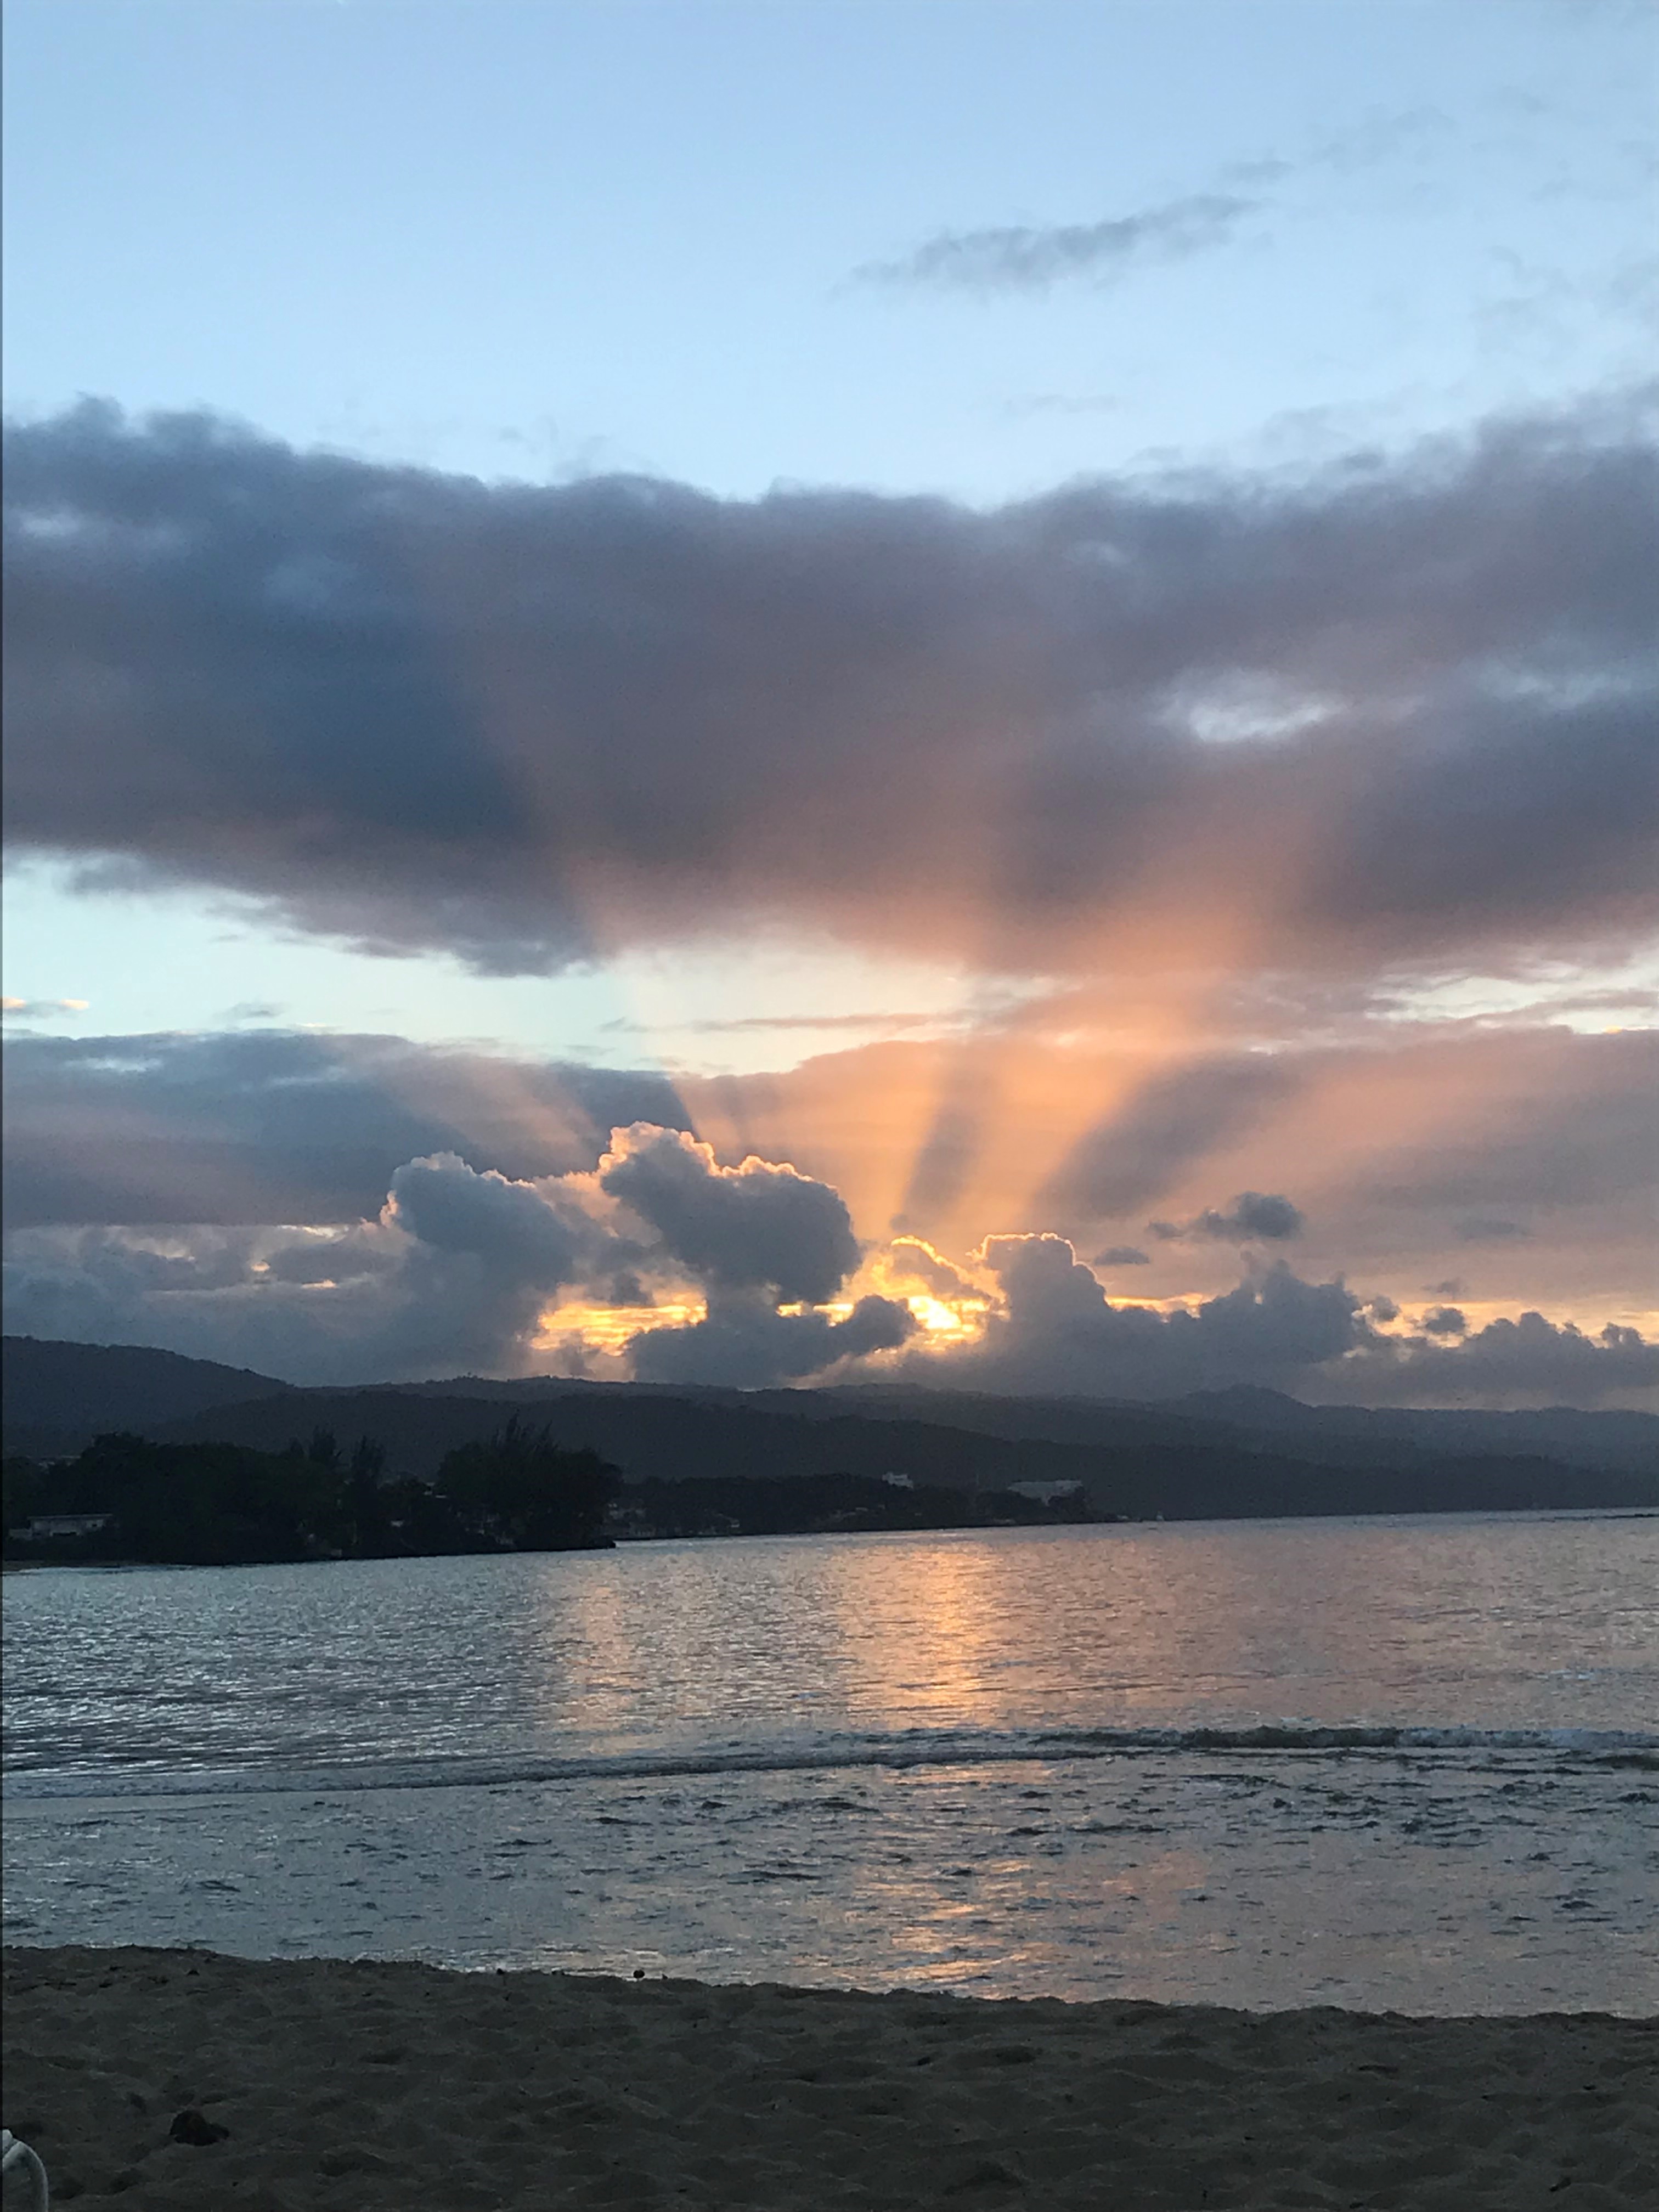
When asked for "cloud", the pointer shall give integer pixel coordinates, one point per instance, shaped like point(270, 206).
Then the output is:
point(1526, 1361)
point(1252, 1214)
point(1444, 1321)
point(40, 1009)
point(1372, 1135)
point(517, 1227)
point(1055, 1332)
point(279, 1126)
point(460, 1267)
point(752, 1227)
point(1488, 1228)
point(467, 1268)
point(745, 1344)
point(1121, 1255)
point(529, 727)
point(912, 1259)
point(1029, 257)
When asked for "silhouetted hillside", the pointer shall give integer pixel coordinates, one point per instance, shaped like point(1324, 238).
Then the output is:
point(1614, 1439)
point(58, 1395)
point(662, 1437)
point(1268, 1456)
point(1259, 1419)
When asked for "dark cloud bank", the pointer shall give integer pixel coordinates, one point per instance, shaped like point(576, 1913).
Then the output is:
point(459, 1266)
point(446, 1266)
point(1056, 1332)
point(522, 724)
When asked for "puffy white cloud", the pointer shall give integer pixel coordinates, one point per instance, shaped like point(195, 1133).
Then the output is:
point(1055, 1330)
point(512, 1199)
point(460, 1269)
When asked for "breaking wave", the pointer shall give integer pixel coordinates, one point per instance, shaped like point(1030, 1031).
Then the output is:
point(1469, 1748)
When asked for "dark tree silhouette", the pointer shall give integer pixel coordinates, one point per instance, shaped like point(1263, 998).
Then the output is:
point(535, 1495)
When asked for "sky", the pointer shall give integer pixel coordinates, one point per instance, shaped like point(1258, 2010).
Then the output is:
point(800, 693)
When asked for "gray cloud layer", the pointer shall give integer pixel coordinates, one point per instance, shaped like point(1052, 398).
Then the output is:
point(757, 1227)
point(524, 725)
point(1552, 1132)
point(1029, 258)
point(745, 1344)
point(275, 1126)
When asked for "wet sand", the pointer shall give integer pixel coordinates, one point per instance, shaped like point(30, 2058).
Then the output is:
point(364, 2085)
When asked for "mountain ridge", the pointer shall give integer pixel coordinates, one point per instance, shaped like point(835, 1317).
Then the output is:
point(1132, 1458)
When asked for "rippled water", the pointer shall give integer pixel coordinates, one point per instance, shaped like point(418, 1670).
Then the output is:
point(1409, 1763)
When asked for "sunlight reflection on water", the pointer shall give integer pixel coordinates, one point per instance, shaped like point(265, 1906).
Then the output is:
point(921, 1759)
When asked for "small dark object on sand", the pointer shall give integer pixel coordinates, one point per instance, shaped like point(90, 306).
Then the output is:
point(191, 2126)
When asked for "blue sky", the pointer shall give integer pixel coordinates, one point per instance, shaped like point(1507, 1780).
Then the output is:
point(1264, 678)
point(534, 239)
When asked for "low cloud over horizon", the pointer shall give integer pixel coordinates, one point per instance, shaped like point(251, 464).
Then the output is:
point(750, 1276)
point(635, 1251)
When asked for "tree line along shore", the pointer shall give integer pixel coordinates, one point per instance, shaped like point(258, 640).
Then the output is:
point(129, 1499)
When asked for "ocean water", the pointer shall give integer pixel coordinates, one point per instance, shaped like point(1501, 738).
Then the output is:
point(1406, 1763)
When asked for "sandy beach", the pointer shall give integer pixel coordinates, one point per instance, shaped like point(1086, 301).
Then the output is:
point(357, 2085)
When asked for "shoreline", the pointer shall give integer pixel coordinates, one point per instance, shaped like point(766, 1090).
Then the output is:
point(375, 2086)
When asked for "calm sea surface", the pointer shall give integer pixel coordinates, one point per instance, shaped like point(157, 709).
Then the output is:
point(1408, 1764)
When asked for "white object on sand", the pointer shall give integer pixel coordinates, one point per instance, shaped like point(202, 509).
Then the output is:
point(14, 2154)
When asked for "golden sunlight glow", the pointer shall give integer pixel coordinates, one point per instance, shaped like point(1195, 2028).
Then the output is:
point(608, 1328)
point(939, 1318)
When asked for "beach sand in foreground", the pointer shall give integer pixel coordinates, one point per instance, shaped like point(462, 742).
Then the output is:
point(365, 2085)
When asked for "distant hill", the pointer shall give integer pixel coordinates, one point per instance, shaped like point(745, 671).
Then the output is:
point(57, 1395)
point(664, 1436)
point(1564, 1432)
point(1222, 1454)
